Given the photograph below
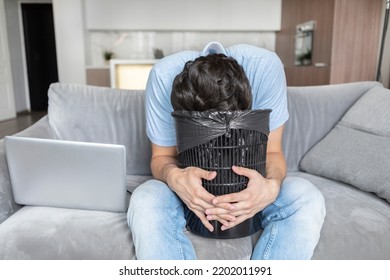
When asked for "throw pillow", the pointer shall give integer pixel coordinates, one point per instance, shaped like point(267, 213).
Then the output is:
point(357, 150)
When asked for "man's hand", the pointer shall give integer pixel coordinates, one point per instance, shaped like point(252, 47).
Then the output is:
point(260, 193)
point(187, 184)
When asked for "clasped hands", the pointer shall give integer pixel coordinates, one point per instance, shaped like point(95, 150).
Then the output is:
point(230, 209)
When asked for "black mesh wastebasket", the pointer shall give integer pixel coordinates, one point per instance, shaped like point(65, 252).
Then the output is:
point(215, 141)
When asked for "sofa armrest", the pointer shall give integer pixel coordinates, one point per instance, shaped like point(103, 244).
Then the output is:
point(7, 204)
point(40, 129)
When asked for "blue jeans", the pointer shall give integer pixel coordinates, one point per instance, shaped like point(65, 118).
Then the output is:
point(291, 225)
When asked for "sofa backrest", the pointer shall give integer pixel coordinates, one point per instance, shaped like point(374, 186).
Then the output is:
point(102, 115)
point(106, 115)
point(314, 111)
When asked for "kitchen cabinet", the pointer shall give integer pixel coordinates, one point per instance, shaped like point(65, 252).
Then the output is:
point(346, 40)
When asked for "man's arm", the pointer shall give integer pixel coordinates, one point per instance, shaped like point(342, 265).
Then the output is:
point(186, 183)
point(261, 191)
point(163, 160)
point(276, 167)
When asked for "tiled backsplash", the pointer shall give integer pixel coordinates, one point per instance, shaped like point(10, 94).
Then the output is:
point(141, 44)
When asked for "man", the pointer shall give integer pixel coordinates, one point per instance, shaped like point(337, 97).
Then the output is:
point(292, 209)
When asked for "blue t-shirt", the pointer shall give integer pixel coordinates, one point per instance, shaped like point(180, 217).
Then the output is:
point(262, 67)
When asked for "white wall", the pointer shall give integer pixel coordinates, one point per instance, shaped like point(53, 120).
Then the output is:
point(184, 15)
point(70, 40)
point(7, 105)
point(14, 40)
point(140, 44)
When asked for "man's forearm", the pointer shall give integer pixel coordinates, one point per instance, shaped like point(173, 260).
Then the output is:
point(163, 161)
point(161, 166)
point(276, 167)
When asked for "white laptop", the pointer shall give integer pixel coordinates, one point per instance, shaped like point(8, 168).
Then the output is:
point(67, 174)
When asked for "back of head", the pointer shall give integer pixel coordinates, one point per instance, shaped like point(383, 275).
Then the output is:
point(212, 82)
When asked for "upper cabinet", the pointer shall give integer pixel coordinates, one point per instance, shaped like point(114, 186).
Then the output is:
point(183, 15)
point(345, 40)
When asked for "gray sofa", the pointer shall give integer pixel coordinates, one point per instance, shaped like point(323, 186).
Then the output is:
point(337, 137)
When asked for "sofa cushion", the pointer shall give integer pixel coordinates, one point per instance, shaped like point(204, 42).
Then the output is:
point(133, 181)
point(43, 233)
point(357, 150)
point(223, 249)
point(102, 115)
point(357, 223)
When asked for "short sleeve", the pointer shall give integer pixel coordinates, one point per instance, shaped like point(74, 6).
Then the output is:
point(160, 127)
point(266, 76)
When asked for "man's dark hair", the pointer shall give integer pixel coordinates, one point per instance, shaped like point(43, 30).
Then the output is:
point(212, 82)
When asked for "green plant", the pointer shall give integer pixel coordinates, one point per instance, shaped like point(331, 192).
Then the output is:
point(108, 55)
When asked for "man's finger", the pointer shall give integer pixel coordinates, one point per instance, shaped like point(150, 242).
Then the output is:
point(204, 220)
point(250, 173)
point(208, 175)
